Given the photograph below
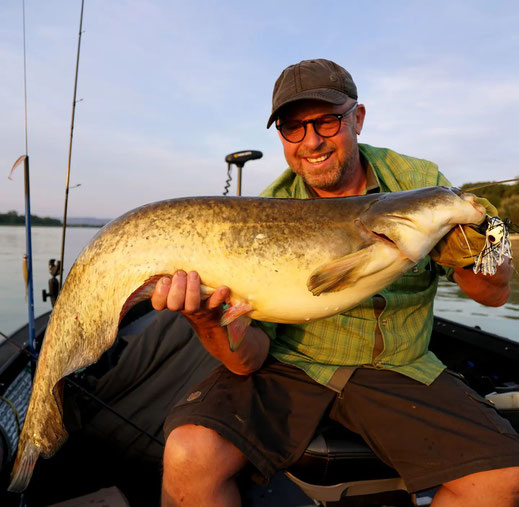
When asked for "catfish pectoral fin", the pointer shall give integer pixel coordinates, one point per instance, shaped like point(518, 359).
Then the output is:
point(237, 323)
point(339, 274)
point(235, 311)
point(236, 331)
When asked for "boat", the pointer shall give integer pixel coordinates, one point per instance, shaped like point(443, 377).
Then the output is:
point(114, 411)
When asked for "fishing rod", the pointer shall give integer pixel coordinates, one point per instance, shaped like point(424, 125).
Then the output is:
point(27, 260)
point(490, 184)
point(67, 185)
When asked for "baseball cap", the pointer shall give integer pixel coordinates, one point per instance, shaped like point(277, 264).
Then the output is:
point(312, 79)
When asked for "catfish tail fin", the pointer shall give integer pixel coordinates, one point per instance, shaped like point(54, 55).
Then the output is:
point(23, 467)
point(41, 434)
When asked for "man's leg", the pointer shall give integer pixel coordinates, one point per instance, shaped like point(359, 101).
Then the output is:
point(493, 488)
point(199, 469)
point(444, 433)
point(270, 416)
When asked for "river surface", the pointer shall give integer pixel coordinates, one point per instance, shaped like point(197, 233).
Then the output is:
point(450, 303)
point(46, 244)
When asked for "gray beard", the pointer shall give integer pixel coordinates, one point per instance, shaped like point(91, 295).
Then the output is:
point(344, 172)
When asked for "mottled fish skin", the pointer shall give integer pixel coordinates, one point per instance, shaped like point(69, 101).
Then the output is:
point(292, 260)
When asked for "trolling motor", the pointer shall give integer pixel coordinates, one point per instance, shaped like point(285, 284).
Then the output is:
point(238, 159)
point(52, 293)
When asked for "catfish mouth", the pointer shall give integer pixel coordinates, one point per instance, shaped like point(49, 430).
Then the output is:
point(389, 239)
point(369, 235)
point(383, 237)
point(395, 220)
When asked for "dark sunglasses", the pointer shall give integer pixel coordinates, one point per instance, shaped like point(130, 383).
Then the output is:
point(327, 125)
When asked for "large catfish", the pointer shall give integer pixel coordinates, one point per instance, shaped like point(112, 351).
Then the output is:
point(285, 260)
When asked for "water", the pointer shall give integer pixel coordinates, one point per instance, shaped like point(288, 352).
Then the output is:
point(46, 244)
point(450, 303)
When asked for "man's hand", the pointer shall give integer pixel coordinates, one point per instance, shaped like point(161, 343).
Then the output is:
point(485, 289)
point(462, 244)
point(182, 293)
point(459, 247)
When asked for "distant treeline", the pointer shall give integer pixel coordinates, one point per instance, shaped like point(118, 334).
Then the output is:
point(504, 197)
point(12, 218)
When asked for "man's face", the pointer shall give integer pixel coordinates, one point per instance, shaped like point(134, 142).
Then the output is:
point(324, 162)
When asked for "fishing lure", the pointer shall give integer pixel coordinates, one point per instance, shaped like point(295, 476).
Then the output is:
point(497, 247)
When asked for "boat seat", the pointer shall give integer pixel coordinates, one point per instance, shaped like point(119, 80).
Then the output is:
point(339, 463)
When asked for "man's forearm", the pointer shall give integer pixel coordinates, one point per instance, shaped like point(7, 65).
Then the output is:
point(249, 356)
point(487, 290)
point(181, 292)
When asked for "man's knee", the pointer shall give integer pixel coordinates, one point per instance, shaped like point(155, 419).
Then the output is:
point(197, 448)
point(500, 486)
point(199, 466)
point(506, 481)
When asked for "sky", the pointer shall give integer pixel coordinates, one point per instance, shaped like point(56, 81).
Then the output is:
point(168, 88)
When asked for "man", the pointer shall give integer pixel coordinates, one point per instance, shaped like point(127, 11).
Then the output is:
point(368, 369)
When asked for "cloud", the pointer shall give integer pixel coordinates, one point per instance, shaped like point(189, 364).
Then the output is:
point(463, 122)
point(170, 88)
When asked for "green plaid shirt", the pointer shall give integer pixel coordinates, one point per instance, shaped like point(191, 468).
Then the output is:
point(328, 350)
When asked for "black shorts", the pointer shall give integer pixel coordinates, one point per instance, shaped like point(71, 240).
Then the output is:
point(429, 434)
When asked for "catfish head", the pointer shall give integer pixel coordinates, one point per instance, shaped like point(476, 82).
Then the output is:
point(415, 220)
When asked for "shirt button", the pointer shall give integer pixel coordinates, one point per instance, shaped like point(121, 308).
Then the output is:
point(415, 269)
point(384, 322)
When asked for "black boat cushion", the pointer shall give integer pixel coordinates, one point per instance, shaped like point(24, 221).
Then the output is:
point(338, 455)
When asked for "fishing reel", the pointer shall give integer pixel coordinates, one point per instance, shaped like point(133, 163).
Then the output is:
point(52, 293)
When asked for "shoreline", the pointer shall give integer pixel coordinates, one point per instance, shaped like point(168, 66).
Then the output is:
point(60, 226)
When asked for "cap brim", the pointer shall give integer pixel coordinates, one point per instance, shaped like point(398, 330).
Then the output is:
point(323, 94)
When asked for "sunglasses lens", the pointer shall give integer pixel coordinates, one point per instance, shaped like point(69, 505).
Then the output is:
point(293, 131)
point(328, 125)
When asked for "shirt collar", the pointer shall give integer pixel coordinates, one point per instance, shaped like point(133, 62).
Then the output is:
point(372, 185)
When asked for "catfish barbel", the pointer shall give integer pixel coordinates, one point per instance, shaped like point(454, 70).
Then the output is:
point(285, 260)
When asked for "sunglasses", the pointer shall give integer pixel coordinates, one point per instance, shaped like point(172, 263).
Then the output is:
point(327, 125)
